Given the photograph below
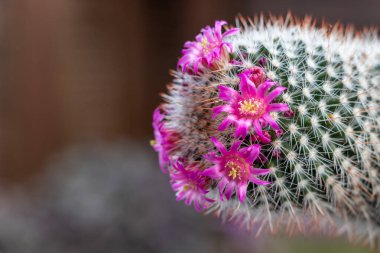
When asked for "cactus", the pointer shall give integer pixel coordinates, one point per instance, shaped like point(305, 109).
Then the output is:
point(277, 124)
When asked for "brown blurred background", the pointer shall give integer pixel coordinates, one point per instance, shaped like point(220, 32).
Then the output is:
point(85, 71)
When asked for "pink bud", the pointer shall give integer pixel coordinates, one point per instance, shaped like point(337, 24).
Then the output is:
point(263, 62)
point(260, 139)
point(256, 75)
point(236, 62)
point(289, 113)
point(277, 153)
point(279, 133)
point(262, 158)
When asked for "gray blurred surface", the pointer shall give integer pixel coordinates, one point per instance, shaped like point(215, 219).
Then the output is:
point(112, 197)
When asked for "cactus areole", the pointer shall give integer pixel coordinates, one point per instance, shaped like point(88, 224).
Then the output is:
point(275, 124)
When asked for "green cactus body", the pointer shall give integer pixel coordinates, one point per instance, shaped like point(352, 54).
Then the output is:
point(329, 172)
point(324, 168)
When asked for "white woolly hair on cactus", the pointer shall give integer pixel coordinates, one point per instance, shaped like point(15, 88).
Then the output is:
point(275, 124)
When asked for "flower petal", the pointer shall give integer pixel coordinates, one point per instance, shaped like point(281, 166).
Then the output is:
point(259, 172)
point(258, 181)
point(241, 191)
point(196, 65)
point(247, 87)
point(212, 172)
point(229, 190)
point(275, 93)
point(268, 118)
point(231, 32)
point(259, 131)
point(181, 195)
point(184, 61)
point(222, 149)
point(226, 123)
point(278, 107)
point(197, 205)
point(162, 160)
point(227, 93)
point(211, 156)
point(251, 153)
point(264, 87)
point(242, 128)
point(229, 46)
point(218, 28)
point(189, 199)
point(157, 116)
point(235, 146)
point(221, 185)
point(221, 108)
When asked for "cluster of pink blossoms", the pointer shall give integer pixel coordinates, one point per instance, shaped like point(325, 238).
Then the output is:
point(248, 110)
point(208, 49)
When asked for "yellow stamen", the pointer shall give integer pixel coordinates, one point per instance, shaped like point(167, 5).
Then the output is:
point(232, 173)
point(204, 42)
point(251, 106)
point(189, 187)
point(152, 142)
point(234, 170)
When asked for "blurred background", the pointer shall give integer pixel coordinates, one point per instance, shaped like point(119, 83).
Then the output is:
point(78, 83)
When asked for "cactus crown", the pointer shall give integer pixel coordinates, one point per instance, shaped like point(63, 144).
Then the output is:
point(281, 120)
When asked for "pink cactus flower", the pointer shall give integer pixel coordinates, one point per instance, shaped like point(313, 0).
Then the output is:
point(208, 48)
point(255, 74)
point(164, 139)
point(190, 185)
point(234, 168)
point(250, 108)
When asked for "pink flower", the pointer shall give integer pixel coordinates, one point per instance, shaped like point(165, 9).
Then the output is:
point(234, 168)
point(251, 107)
point(208, 48)
point(164, 140)
point(255, 74)
point(190, 185)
